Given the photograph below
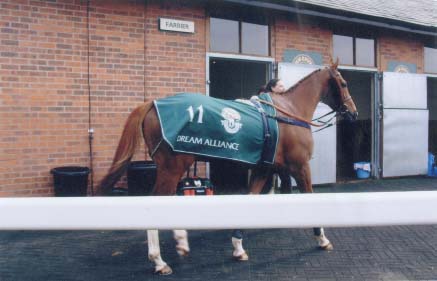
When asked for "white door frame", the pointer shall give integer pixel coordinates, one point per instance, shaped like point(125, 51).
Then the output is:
point(376, 115)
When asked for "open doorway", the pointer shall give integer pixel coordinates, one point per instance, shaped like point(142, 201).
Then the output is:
point(233, 79)
point(354, 140)
point(432, 107)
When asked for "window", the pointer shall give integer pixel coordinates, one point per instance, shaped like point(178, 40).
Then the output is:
point(343, 49)
point(354, 51)
point(224, 35)
point(365, 52)
point(430, 60)
point(239, 37)
point(255, 39)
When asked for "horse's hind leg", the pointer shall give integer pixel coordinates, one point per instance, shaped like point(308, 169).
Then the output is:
point(303, 180)
point(169, 171)
point(182, 246)
point(161, 266)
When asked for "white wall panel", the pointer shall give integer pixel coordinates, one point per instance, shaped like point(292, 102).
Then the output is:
point(405, 139)
point(324, 160)
point(405, 124)
point(402, 90)
point(291, 73)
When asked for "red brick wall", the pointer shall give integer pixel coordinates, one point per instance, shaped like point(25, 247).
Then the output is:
point(393, 48)
point(43, 99)
point(117, 73)
point(308, 37)
point(43, 84)
point(303, 37)
point(175, 61)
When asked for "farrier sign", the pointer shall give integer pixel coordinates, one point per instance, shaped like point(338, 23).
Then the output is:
point(176, 25)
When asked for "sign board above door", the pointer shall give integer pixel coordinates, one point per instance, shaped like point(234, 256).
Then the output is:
point(176, 25)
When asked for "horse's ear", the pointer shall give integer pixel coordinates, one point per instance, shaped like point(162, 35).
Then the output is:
point(336, 63)
point(333, 64)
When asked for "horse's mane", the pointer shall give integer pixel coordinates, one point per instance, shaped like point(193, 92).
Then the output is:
point(292, 88)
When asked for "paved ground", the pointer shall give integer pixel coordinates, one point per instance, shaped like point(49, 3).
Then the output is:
point(371, 253)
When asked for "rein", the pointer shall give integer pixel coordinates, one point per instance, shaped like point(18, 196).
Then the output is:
point(291, 115)
point(322, 126)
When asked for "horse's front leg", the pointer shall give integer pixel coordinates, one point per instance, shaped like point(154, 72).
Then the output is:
point(257, 182)
point(258, 179)
point(323, 242)
point(303, 180)
point(239, 253)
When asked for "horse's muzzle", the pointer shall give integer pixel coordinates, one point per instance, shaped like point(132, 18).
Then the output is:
point(350, 116)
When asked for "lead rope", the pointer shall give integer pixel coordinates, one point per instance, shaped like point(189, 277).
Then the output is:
point(324, 122)
point(328, 123)
point(322, 126)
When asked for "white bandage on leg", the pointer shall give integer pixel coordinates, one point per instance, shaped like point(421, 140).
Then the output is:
point(182, 246)
point(238, 247)
point(321, 239)
point(154, 250)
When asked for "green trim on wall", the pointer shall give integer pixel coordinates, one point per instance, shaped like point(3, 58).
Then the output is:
point(403, 67)
point(302, 57)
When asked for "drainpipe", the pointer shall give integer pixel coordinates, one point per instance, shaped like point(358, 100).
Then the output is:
point(90, 129)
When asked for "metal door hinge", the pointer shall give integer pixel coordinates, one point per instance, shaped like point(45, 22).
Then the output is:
point(380, 75)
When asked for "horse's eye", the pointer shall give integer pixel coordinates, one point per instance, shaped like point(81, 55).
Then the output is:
point(343, 84)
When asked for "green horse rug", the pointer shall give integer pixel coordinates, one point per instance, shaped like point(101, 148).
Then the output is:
point(226, 129)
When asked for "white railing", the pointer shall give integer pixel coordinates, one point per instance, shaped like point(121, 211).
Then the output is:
point(220, 212)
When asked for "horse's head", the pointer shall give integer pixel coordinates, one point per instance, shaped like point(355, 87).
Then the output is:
point(337, 96)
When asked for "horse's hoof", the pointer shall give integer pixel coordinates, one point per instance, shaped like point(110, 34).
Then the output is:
point(242, 257)
point(182, 252)
point(166, 270)
point(327, 247)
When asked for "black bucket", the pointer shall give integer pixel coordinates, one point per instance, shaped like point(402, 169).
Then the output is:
point(141, 177)
point(70, 181)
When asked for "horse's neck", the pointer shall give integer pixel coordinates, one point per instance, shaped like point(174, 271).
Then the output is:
point(303, 99)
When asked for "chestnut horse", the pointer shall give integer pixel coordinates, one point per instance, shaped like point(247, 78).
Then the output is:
point(294, 150)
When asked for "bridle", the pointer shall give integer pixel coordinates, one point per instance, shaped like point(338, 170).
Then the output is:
point(342, 108)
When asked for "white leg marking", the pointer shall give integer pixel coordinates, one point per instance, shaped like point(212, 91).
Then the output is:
point(322, 240)
point(182, 246)
point(155, 251)
point(239, 253)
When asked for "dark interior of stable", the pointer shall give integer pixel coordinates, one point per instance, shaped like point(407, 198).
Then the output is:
point(354, 140)
point(432, 107)
point(233, 79)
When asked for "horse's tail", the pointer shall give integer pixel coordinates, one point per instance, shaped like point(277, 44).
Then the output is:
point(129, 141)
